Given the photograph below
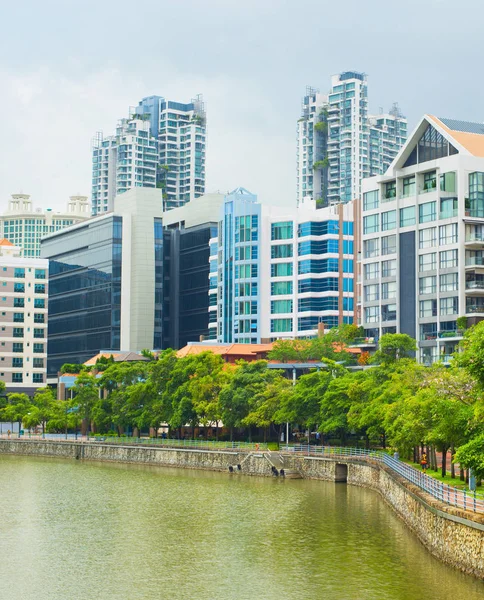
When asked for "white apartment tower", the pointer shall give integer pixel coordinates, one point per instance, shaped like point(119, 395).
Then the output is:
point(423, 238)
point(23, 319)
point(24, 226)
point(126, 160)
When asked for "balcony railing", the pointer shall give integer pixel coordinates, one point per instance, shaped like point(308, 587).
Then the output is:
point(451, 334)
point(475, 308)
point(474, 285)
point(475, 237)
point(475, 261)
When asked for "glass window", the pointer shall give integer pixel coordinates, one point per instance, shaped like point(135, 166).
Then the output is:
point(370, 248)
point(279, 288)
point(39, 333)
point(389, 312)
point(428, 308)
point(475, 205)
point(370, 200)
point(407, 216)
point(281, 251)
point(388, 244)
point(388, 220)
point(449, 306)
point(447, 182)
point(448, 234)
point(17, 347)
point(408, 186)
point(37, 377)
point(427, 285)
point(39, 288)
point(430, 181)
point(448, 259)
point(281, 325)
point(19, 288)
point(39, 348)
point(281, 306)
point(448, 208)
point(371, 224)
point(19, 273)
point(372, 314)
point(38, 363)
point(282, 230)
point(17, 377)
point(427, 262)
point(372, 270)
point(371, 292)
point(389, 290)
point(427, 238)
point(390, 190)
point(39, 273)
point(449, 282)
point(389, 268)
point(281, 269)
point(18, 317)
point(427, 212)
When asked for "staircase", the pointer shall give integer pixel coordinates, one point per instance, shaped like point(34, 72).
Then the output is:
point(277, 461)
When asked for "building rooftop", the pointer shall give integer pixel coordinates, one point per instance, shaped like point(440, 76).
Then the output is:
point(4, 242)
point(126, 356)
point(467, 134)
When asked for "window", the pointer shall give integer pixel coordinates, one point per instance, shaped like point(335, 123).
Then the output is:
point(449, 306)
point(19, 302)
point(279, 288)
point(389, 312)
point(427, 285)
point(448, 208)
point(448, 234)
point(371, 292)
point(447, 182)
point(19, 273)
point(320, 304)
point(282, 230)
point(388, 245)
point(327, 284)
point(449, 282)
point(428, 308)
point(281, 251)
point(17, 362)
point(407, 216)
point(281, 306)
point(39, 348)
point(408, 188)
point(17, 347)
point(372, 314)
point(427, 212)
point(389, 268)
point(389, 290)
point(475, 206)
point(39, 318)
point(281, 269)
point(39, 273)
point(39, 288)
point(370, 200)
point(320, 247)
point(17, 377)
point(448, 259)
point(38, 363)
point(370, 224)
point(18, 317)
point(281, 325)
point(18, 332)
point(430, 181)
point(370, 248)
point(388, 220)
point(372, 270)
point(427, 238)
point(39, 303)
point(39, 333)
point(390, 190)
point(19, 288)
point(427, 262)
point(37, 377)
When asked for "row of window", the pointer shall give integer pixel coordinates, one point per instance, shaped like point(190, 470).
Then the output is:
point(427, 308)
point(426, 212)
point(448, 234)
point(37, 363)
point(19, 347)
point(19, 378)
point(18, 317)
point(448, 282)
point(20, 273)
point(245, 271)
point(284, 230)
point(245, 252)
point(19, 288)
point(426, 262)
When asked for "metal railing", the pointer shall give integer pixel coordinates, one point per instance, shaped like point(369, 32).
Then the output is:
point(447, 494)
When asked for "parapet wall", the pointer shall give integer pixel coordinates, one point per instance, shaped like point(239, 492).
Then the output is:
point(454, 536)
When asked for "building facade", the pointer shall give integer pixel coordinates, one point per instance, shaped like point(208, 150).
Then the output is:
point(279, 273)
point(339, 143)
point(126, 160)
point(130, 279)
point(23, 318)
point(181, 130)
point(23, 225)
point(423, 238)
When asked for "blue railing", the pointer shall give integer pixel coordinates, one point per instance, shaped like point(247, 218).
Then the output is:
point(447, 494)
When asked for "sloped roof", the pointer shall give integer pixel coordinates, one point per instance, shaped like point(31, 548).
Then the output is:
point(117, 356)
point(224, 349)
point(4, 242)
point(467, 134)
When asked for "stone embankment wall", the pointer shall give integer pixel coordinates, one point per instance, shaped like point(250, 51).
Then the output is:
point(454, 536)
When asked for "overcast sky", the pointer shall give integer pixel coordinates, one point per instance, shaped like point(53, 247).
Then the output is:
point(71, 68)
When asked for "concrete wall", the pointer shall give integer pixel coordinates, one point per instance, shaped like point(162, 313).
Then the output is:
point(454, 536)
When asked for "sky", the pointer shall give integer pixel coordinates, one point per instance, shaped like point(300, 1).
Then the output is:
point(71, 68)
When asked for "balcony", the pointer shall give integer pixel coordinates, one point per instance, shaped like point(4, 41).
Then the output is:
point(364, 342)
point(475, 286)
point(472, 309)
point(475, 261)
point(458, 333)
point(475, 240)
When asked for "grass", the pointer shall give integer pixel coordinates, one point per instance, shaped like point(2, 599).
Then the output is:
point(448, 480)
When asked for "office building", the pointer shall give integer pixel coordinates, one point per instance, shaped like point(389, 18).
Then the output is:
point(126, 160)
point(279, 273)
point(130, 279)
point(423, 238)
point(180, 129)
point(339, 143)
point(23, 319)
point(23, 225)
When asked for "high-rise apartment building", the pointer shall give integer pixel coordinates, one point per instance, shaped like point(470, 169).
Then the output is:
point(423, 238)
point(279, 273)
point(126, 160)
point(23, 319)
point(23, 225)
point(180, 129)
point(339, 143)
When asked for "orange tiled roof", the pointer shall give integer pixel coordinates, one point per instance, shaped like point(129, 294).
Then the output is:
point(4, 242)
point(473, 142)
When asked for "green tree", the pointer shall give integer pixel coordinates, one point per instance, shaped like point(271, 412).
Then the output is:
point(43, 401)
point(394, 346)
point(471, 357)
point(471, 456)
point(86, 393)
point(17, 407)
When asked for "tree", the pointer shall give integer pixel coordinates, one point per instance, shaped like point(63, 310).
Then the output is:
point(43, 401)
point(471, 456)
point(394, 346)
point(86, 393)
point(17, 407)
point(471, 357)
point(264, 404)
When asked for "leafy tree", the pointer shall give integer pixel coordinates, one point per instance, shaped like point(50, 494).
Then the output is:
point(471, 357)
point(73, 368)
point(17, 407)
point(43, 401)
point(394, 346)
point(471, 456)
point(266, 401)
point(86, 393)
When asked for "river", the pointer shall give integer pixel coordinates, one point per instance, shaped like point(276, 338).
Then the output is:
point(73, 529)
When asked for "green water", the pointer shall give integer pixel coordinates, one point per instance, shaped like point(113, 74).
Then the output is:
point(95, 531)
